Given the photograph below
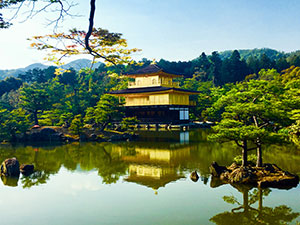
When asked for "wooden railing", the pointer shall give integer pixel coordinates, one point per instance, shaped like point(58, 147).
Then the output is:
point(192, 103)
point(153, 84)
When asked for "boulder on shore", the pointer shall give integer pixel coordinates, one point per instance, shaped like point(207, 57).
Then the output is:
point(45, 134)
point(270, 175)
point(10, 167)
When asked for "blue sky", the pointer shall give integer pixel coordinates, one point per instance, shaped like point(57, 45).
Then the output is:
point(171, 29)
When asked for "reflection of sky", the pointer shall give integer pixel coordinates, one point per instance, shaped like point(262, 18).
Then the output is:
point(78, 198)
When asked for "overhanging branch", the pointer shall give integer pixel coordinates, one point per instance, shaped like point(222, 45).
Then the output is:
point(89, 33)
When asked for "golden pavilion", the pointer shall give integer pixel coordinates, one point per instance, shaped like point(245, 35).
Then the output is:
point(155, 97)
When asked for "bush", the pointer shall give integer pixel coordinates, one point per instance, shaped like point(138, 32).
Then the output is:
point(76, 125)
point(129, 122)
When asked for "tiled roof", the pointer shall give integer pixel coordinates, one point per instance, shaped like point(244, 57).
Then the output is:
point(150, 89)
point(152, 68)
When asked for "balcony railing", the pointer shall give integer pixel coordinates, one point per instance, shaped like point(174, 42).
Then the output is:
point(192, 103)
point(153, 84)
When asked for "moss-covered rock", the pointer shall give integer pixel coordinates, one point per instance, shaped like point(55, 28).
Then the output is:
point(10, 167)
point(270, 175)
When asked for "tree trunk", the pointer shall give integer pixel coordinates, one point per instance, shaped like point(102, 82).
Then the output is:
point(244, 153)
point(103, 126)
point(260, 198)
point(259, 156)
point(36, 120)
point(245, 201)
point(260, 203)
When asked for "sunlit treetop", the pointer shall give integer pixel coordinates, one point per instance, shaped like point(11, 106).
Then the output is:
point(107, 46)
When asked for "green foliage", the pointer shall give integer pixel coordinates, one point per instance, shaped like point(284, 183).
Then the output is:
point(294, 132)
point(251, 158)
point(9, 84)
point(253, 113)
point(66, 119)
point(257, 53)
point(76, 126)
point(129, 122)
point(35, 99)
point(13, 123)
point(107, 109)
point(50, 117)
point(231, 200)
point(38, 75)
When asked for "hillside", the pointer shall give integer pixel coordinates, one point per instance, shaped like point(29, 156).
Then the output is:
point(246, 53)
point(76, 64)
point(272, 54)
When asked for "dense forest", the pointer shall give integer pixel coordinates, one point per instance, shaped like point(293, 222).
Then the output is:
point(76, 98)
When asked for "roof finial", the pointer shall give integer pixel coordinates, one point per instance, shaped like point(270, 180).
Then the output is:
point(153, 62)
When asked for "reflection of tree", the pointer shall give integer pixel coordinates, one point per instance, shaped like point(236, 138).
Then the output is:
point(111, 168)
point(246, 214)
point(35, 179)
point(49, 160)
point(108, 158)
point(204, 178)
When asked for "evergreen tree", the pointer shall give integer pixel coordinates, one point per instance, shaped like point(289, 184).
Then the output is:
point(234, 69)
point(76, 125)
point(265, 62)
point(35, 99)
point(281, 64)
point(250, 116)
point(253, 64)
point(215, 68)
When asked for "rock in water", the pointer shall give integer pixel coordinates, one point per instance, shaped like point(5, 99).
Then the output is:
point(26, 169)
point(194, 176)
point(10, 181)
point(10, 167)
point(217, 170)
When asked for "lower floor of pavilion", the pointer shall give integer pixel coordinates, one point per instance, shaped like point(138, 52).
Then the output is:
point(172, 114)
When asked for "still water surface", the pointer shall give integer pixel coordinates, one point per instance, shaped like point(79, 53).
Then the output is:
point(142, 182)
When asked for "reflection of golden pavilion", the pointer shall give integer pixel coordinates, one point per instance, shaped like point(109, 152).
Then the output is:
point(158, 156)
point(155, 166)
point(152, 176)
point(155, 97)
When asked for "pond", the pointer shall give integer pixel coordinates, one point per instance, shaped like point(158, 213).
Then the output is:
point(142, 182)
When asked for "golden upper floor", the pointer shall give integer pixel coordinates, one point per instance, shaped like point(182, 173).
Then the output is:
point(152, 76)
point(152, 81)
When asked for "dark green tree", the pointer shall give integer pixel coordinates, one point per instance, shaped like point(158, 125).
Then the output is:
point(215, 68)
point(16, 122)
point(35, 99)
point(250, 116)
point(265, 62)
point(9, 84)
point(281, 64)
point(253, 64)
point(76, 126)
point(234, 69)
point(107, 110)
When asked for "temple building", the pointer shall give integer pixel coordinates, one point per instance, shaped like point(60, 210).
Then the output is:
point(155, 97)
